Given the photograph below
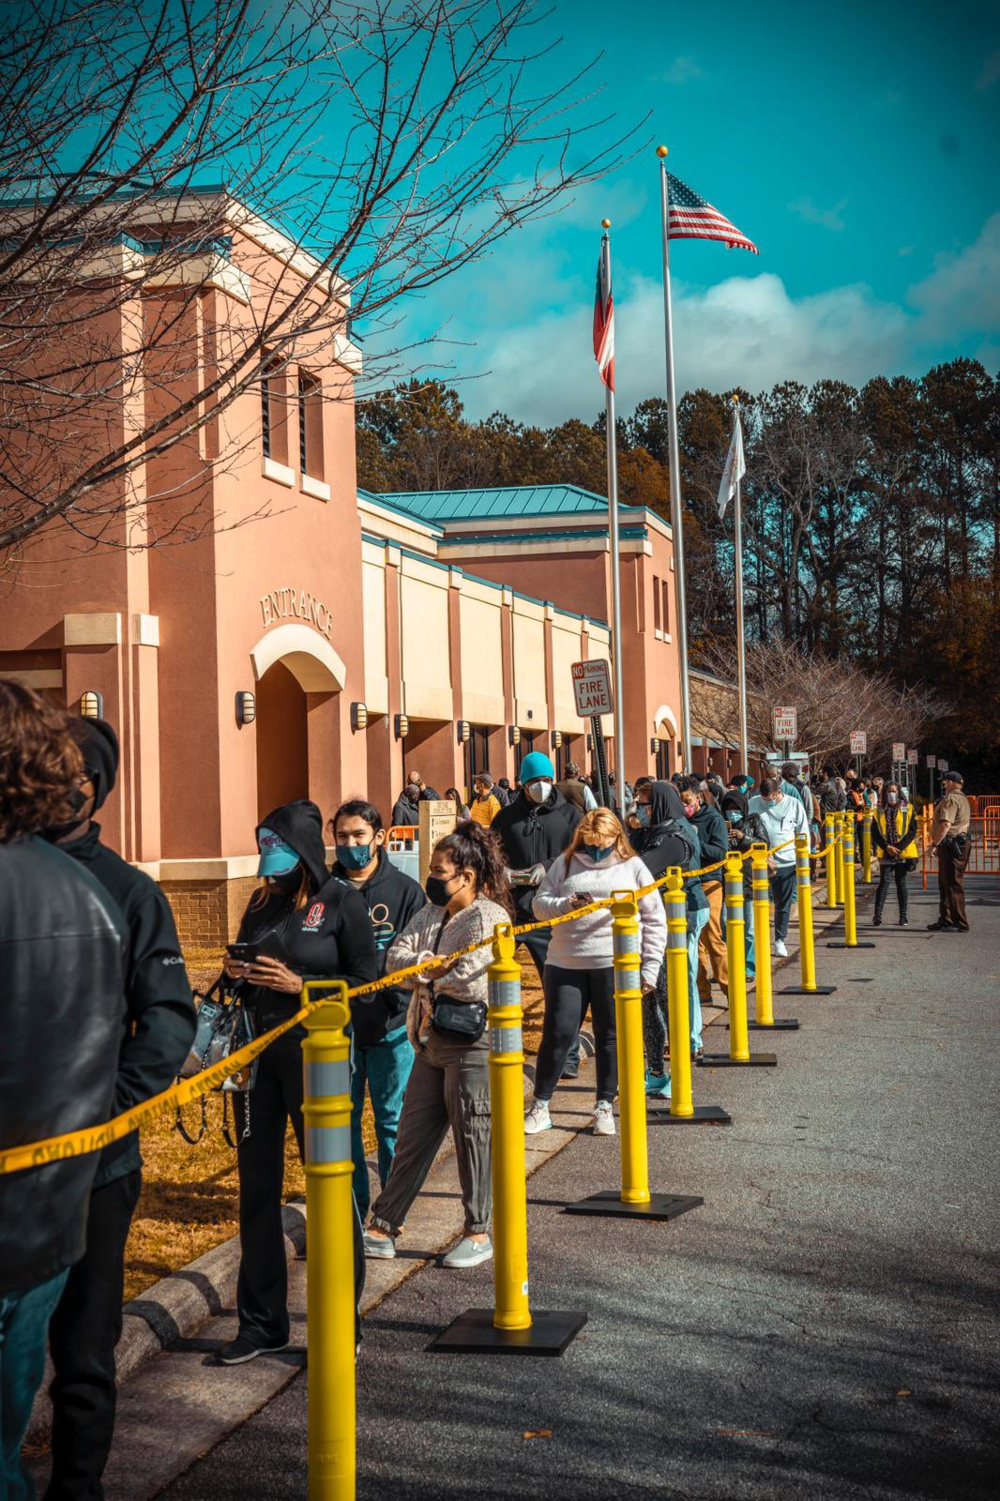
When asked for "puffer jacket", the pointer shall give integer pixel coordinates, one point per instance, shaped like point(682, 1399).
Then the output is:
point(63, 958)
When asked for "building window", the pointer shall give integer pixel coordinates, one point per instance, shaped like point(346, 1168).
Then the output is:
point(310, 425)
point(265, 417)
point(665, 613)
point(656, 603)
point(273, 414)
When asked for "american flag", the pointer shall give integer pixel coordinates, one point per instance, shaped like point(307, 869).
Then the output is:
point(604, 319)
point(693, 218)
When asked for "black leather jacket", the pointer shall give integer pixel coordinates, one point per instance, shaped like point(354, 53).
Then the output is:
point(63, 952)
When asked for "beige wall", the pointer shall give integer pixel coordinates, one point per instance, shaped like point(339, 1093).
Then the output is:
point(529, 665)
point(482, 653)
point(426, 657)
point(373, 598)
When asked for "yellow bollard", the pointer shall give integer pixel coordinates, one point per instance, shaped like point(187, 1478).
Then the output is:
point(682, 1107)
point(764, 1005)
point(739, 1054)
point(634, 1201)
point(803, 898)
point(330, 1305)
point(866, 845)
point(829, 831)
point(508, 1327)
point(850, 910)
point(839, 825)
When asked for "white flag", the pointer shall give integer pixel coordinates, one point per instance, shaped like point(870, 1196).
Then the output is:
point(735, 467)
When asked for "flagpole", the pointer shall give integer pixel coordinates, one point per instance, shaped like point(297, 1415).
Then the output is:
point(676, 517)
point(616, 593)
point(741, 660)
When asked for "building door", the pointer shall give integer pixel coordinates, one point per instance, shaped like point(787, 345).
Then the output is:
point(663, 772)
point(477, 754)
point(282, 740)
point(523, 747)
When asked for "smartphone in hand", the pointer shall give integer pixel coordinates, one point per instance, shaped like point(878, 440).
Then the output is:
point(243, 953)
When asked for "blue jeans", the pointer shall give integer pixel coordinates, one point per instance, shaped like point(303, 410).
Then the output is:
point(24, 1326)
point(385, 1068)
point(696, 922)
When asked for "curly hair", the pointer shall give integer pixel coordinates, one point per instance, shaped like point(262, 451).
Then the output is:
point(471, 847)
point(40, 762)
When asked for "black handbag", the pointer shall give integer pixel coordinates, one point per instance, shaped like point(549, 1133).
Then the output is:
point(456, 1021)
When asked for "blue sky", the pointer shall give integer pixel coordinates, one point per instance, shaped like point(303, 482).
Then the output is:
point(855, 143)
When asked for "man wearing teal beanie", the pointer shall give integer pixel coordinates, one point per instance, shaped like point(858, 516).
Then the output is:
point(534, 829)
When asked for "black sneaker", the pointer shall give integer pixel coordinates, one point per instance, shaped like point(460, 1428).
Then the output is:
point(876, 921)
point(942, 927)
point(241, 1349)
point(904, 921)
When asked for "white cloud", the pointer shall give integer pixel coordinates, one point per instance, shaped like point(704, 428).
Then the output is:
point(830, 218)
point(682, 70)
point(962, 294)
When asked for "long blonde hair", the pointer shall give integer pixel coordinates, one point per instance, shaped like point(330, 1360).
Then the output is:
point(600, 824)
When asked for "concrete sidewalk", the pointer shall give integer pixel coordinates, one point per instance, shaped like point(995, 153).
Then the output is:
point(825, 1326)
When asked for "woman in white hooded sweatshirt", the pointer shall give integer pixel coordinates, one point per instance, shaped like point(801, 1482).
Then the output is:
point(579, 967)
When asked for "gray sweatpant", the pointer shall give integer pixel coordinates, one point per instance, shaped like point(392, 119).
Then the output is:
point(449, 1085)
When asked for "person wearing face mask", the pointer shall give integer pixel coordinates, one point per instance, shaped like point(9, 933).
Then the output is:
point(382, 1055)
point(301, 924)
point(894, 839)
point(449, 1086)
point(664, 837)
point(745, 830)
point(579, 973)
point(782, 817)
point(157, 1031)
point(714, 839)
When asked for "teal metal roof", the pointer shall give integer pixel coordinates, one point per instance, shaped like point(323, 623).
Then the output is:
point(505, 500)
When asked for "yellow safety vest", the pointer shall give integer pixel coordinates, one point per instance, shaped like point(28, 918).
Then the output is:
point(907, 845)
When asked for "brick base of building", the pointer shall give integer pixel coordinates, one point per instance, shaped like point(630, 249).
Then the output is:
point(208, 913)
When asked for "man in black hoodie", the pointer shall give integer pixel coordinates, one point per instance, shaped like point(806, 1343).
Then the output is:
point(303, 924)
point(158, 1029)
point(382, 1055)
point(534, 829)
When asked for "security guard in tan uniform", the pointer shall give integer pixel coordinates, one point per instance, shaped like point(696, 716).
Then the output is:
point(951, 841)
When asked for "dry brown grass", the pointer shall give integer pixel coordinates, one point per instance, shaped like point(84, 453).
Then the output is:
point(189, 1193)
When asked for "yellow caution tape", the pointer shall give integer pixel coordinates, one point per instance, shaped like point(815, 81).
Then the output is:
point(93, 1138)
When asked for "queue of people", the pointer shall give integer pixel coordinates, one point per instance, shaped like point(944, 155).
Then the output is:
point(419, 1047)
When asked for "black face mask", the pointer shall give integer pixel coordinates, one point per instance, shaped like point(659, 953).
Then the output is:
point(76, 800)
point(288, 881)
point(437, 891)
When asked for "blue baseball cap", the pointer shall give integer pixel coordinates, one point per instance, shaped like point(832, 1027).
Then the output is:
point(536, 765)
point(276, 857)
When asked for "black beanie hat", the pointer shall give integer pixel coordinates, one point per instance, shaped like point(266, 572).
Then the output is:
point(99, 744)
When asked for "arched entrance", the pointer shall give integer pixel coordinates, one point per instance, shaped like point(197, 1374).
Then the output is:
point(299, 676)
point(665, 730)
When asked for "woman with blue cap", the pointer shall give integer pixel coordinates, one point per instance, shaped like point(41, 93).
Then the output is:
point(300, 924)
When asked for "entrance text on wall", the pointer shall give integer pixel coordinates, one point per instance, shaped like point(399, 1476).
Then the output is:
point(300, 605)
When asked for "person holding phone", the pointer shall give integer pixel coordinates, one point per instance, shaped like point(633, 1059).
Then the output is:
point(579, 967)
point(300, 924)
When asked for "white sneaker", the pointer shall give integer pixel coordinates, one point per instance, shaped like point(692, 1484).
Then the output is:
point(604, 1119)
point(780, 948)
point(537, 1119)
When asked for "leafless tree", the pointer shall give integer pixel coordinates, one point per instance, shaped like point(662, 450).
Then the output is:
point(832, 696)
point(142, 147)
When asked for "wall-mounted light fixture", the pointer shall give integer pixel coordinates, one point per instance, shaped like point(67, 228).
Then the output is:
point(556, 739)
point(246, 708)
point(402, 726)
point(654, 746)
point(590, 742)
point(515, 734)
point(91, 704)
point(529, 713)
point(464, 731)
point(359, 717)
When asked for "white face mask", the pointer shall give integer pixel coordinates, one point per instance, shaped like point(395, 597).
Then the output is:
point(538, 791)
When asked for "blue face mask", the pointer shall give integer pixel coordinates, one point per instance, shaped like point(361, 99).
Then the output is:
point(736, 816)
point(598, 854)
point(643, 813)
point(354, 856)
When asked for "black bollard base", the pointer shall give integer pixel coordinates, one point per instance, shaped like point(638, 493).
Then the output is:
point(841, 944)
point(704, 1115)
point(780, 1024)
point(659, 1206)
point(801, 990)
point(723, 1060)
point(472, 1333)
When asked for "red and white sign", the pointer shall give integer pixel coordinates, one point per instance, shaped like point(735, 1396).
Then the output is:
point(912, 757)
point(859, 742)
point(592, 688)
point(898, 750)
point(786, 723)
point(931, 762)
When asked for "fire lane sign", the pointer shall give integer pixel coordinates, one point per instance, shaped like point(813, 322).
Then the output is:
point(592, 688)
point(786, 724)
point(859, 742)
point(912, 757)
point(898, 750)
